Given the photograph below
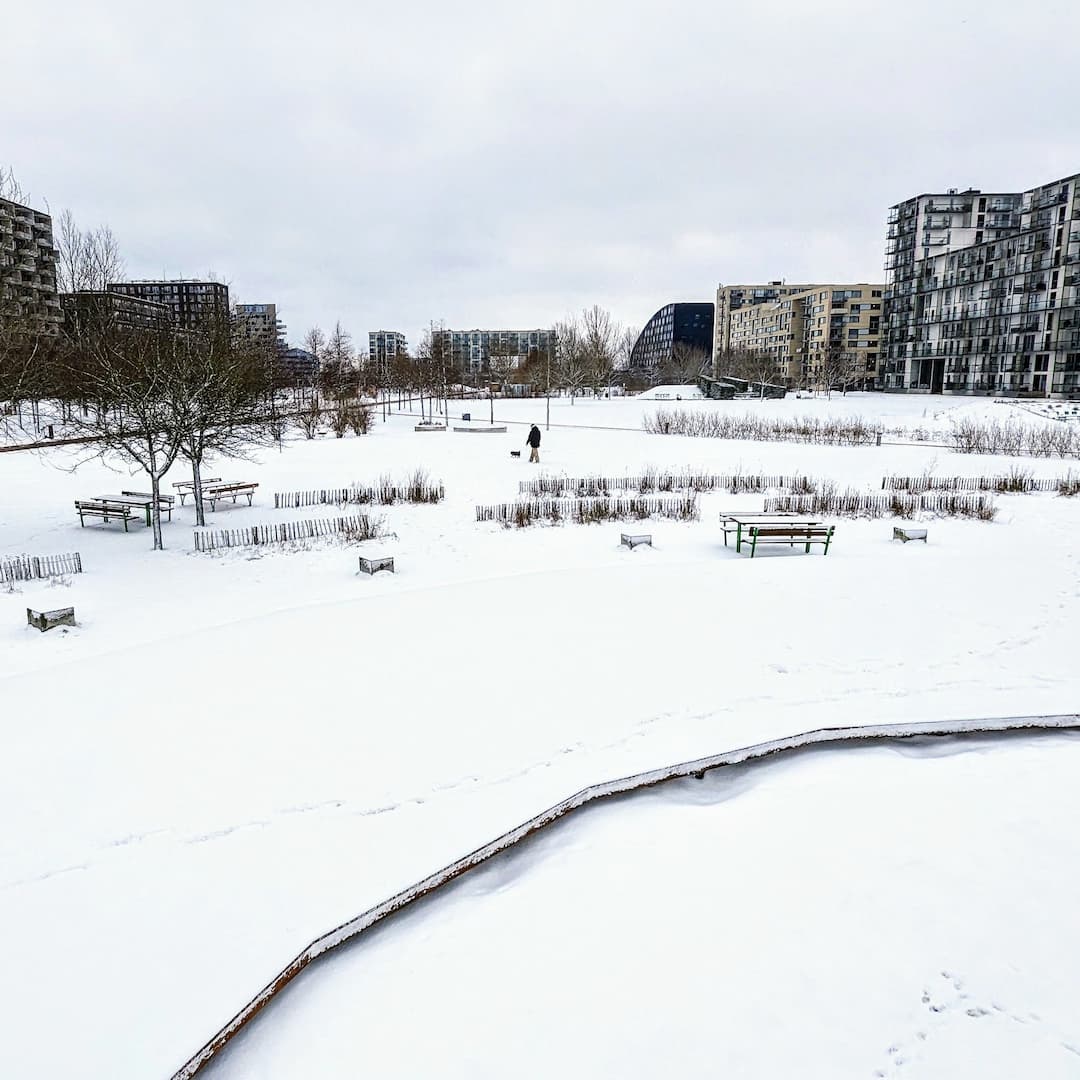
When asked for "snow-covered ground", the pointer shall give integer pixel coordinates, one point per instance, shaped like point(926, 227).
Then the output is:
point(229, 755)
point(900, 911)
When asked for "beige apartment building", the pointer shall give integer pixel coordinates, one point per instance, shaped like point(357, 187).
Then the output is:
point(801, 327)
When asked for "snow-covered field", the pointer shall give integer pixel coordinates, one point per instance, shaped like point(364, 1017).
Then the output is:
point(899, 911)
point(231, 754)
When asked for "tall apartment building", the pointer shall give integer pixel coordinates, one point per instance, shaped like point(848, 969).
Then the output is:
point(193, 303)
point(984, 292)
point(802, 331)
point(688, 325)
point(27, 264)
point(471, 350)
point(259, 324)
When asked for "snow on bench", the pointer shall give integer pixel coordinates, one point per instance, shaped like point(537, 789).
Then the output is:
point(374, 565)
point(906, 533)
point(46, 620)
point(632, 540)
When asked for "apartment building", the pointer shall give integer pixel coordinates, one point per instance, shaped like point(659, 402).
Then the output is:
point(193, 303)
point(259, 324)
point(27, 264)
point(471, 350)
point(93, 307)
point(731, 298)
point(983, 292)
point(810, 334)
point(384, 345)
point(687, 325)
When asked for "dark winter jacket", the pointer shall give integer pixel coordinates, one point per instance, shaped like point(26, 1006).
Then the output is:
point(534, 437)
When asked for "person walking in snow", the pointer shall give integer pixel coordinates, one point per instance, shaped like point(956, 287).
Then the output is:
point(533, 441)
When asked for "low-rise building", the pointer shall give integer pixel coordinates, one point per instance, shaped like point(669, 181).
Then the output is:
point(97, 308)
point(471, 350)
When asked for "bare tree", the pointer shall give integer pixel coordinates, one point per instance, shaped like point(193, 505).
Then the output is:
point(625, 341)
point(571, 368)
point(128, 378)
point(600, 338)
point(85, 260)
point(684, 365)
point(502, 359)
point(839, 368)
point(9, 187)
point(219, 392)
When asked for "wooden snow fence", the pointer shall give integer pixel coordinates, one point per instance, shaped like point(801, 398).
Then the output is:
point(359, 525)
point(685, 480)
point(578, 803)
point(374, 495)
point(854, 504)
point(591, 510)
point(31, 567)
point(916, 485)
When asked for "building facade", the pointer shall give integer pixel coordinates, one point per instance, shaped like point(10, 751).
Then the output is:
point(731, 298)
point(816, 336)
point(193, 303)
point(259, 325)
point(91, 307)
point(984, 292)
point(687, 325)
point(384, 345)
point(27, 264)
point(471, 350)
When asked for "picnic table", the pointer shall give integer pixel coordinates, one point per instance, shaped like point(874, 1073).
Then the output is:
point(747, 524)
point(137, 501)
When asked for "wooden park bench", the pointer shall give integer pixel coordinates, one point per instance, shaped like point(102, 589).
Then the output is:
point(374, 565)
point(788, 533)
point(213, 492)
point(46, 620)
point(632, 540)
point(103, 509)
point(907, 532)
point(184, 488)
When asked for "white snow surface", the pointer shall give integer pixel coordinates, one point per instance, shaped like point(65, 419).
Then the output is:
point(231, 754)
point(896, 911)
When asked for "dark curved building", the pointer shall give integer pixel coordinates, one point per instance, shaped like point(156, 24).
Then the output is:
point(689, 325)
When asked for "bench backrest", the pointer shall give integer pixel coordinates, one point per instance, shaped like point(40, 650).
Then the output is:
point(191, 483)
point(102, 507)
point(796, 531)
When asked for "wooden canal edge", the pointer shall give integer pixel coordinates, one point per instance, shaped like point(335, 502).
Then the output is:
point(823, 737)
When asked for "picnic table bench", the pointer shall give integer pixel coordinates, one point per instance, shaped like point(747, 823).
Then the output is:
point(104, 509)
point(184, 488)
point(775, 528)
point(145, 499)
point(212, 492)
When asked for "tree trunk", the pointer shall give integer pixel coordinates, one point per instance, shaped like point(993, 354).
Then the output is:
point(491, 402)
point(196, 476)
point(155, 509)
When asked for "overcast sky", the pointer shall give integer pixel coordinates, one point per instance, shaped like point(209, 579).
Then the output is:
point(500, 164)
